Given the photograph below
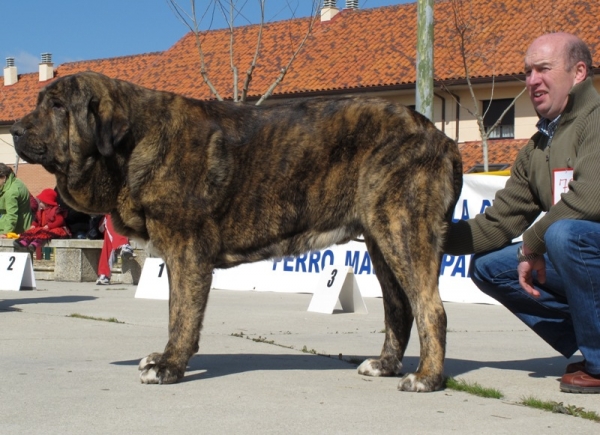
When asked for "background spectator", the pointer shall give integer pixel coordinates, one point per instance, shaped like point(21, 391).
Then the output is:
point(77, 222)
point(113, 241)
point(15, 208)
point(49, 223)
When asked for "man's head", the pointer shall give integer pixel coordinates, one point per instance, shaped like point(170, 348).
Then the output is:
point(554, 63)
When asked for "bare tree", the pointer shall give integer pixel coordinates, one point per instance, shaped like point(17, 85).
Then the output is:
point(475, 48)
point(232, 10)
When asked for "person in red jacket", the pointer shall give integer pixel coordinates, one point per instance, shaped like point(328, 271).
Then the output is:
point(49, 223)
point(113, 242)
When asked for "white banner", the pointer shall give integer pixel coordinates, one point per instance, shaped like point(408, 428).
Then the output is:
point(302, 274)
point(455, 282)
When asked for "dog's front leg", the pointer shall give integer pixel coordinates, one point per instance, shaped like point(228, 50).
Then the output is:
point(188, 297)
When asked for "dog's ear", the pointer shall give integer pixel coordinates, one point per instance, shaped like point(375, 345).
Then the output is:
point(111, 125)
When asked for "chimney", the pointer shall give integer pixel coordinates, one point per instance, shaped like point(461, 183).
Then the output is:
point(329, 10)
point(46, 67)
point(10, 72)
point(351, 4)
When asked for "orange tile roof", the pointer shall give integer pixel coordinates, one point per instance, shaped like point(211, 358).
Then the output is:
point(125, 67)
point(360, 49)
point(357, 50)
point(499, 151)
point(19, 99)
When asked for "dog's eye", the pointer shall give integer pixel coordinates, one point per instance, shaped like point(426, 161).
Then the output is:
point(57, 105)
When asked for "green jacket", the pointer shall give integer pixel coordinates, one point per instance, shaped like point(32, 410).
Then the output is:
point(15, 208)
point(528, 191)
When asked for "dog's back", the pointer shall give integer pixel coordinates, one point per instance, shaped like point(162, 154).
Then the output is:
point(320, 171)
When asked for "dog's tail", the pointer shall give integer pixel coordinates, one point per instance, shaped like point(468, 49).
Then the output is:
point(457, 175)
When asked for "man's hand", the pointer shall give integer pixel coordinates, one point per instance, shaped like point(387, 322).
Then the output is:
point(526, 269)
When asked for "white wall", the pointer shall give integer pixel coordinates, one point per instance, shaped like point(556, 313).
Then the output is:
point(7, 150)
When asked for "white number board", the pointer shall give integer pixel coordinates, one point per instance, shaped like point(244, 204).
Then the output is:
point(154, 280)
point(16, 271)
point(337, 283)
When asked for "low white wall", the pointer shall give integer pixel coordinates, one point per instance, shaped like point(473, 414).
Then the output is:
point(301, 274)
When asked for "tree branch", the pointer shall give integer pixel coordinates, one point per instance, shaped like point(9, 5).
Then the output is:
point(192, 24)
point(285, 69)
point(250, 70)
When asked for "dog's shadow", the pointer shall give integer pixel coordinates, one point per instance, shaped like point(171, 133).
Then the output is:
point(206, 366)
point(9, 304)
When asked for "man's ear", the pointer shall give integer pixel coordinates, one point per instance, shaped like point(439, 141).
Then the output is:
point(580, 72)
point(111, 125)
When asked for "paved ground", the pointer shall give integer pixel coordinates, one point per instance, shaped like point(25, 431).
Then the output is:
point(64, 375)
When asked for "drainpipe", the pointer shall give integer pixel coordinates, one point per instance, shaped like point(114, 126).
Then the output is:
point(443, 111)
point(457, 114)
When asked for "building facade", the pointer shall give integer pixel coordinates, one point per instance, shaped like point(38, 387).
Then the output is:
point(352, 51)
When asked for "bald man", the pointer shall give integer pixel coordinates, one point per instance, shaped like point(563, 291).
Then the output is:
point(551, 281)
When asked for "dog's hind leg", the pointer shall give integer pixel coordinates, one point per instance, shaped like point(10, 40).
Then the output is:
point(188, 298)
point(410, 248)
point(398, 319)
point(416, 268)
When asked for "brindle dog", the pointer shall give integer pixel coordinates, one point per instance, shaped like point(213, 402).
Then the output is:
point(216, 184)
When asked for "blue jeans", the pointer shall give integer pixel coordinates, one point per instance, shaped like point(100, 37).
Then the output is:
point(567, 312)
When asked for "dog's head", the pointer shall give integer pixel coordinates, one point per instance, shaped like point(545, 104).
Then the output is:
point(76, 116)
point(78, 132)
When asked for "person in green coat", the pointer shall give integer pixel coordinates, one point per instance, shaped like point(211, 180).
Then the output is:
point(15, 208)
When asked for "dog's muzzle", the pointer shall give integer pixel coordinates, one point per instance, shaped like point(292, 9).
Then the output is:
point(17, 132)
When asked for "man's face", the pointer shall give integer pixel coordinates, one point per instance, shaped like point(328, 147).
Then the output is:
point(2, 181)
point(547, 79)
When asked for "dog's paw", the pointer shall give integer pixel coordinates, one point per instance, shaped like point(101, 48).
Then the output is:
point(418, 383)
point(379, 367)
point(155, 372)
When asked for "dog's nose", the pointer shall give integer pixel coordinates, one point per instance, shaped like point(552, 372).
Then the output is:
point(17, 130)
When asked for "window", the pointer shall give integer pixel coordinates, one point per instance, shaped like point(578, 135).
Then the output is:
point(493, 109)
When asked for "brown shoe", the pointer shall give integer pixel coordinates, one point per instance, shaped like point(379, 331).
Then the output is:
point(575, 367)
point(580, 382)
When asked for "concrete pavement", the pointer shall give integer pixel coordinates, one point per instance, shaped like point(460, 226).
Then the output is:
point(65, 375)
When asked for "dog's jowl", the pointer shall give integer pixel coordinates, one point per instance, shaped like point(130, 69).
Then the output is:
point(217, 184)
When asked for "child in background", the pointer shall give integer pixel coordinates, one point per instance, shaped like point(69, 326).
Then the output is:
point(48, 223)
point(113, 241)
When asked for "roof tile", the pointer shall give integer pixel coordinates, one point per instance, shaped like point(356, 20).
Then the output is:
point(357, 49)
point(499, 151)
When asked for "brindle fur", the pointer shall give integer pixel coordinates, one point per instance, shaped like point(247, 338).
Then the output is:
point(217, 184)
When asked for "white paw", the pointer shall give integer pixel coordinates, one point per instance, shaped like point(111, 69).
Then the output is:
point(367, 368)
point(372, 367)
point(146, 361)
point(149, 376)
point(147, 366)
point(409, 383)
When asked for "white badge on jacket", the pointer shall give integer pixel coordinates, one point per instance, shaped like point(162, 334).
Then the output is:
point(560, 182)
